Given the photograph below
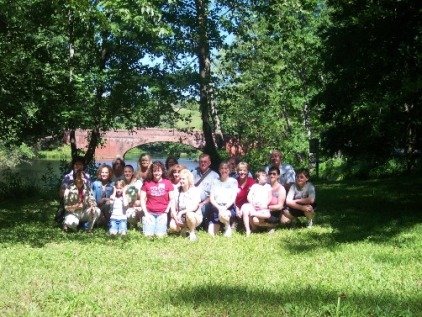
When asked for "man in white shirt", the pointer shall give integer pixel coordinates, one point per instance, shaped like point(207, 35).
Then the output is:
point(203, 177)
point(287, 172)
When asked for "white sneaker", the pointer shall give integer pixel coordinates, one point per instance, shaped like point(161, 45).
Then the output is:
point(211, 229)
point(192, 236)
point(310, 223)
point(228, 231)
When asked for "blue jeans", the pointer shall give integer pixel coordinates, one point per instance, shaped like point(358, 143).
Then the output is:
point(155, 224)
point(118, 226)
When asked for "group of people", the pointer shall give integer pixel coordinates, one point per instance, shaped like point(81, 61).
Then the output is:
point(169, 198)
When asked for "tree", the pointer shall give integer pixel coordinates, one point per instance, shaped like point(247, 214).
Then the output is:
point(372, 64)
point(83, 67)
point(269, 75)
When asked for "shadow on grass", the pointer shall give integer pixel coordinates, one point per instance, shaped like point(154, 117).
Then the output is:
point(31, 222)
point(376, 211)
point(315, 301)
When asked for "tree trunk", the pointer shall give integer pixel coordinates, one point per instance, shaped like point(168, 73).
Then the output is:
point(203, 52)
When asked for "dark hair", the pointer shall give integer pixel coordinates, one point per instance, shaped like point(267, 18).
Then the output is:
point(110, 171)
point(79, 159)
point(130, 166)
point(274, 169)
point(122, 162)
point(171, 158)
point(155, 164)
point(303, 171)
point(259, 173)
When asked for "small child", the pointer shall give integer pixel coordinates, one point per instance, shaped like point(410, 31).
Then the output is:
point(300, 199)
point(118, 218)
point(259, 197)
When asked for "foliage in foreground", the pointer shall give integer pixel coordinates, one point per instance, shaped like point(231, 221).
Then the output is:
point(362, 258)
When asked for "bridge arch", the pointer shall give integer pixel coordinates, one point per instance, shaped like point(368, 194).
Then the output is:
point(118, 142)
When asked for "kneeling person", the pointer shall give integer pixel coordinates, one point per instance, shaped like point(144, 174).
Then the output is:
point(186, 213)
point(79, 205)
point(300, 199)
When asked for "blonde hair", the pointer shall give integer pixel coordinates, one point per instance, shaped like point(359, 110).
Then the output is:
point(242, 164)
point(189, 176)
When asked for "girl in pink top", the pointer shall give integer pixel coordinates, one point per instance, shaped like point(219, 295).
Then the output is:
point(156, 200)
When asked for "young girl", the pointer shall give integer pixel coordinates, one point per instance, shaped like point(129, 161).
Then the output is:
point(259, 197)
point(300, 199)
point(118, 218)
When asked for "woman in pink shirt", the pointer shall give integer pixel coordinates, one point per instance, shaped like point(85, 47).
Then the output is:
point(156, 200)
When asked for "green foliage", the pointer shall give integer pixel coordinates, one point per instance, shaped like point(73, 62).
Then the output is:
point(269, 76)
point(357, 253)
point(372, 62)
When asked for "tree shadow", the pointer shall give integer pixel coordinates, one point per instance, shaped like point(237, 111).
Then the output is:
point(31, 222)
point(310, 301)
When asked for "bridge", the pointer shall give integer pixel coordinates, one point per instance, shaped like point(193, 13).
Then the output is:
point(118, 142)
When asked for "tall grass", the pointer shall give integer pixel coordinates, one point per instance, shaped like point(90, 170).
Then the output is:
point(362, 258)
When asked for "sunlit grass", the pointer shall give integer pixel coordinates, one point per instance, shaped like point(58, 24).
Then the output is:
point(362, 258)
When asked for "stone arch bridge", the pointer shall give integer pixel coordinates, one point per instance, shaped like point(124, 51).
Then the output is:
point(118, 142)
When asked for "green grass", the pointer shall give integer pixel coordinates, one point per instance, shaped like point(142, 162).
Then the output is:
point(362, 258)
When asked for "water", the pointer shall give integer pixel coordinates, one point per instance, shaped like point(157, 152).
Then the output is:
point(35, 169)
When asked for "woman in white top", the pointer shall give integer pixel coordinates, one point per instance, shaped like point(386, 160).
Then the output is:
point(222, 198)
point(186, 213)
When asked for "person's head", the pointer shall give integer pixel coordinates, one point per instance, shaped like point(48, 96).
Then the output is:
point(302, 177)
point(170, 161)
point(144, 161)
point(261, 177)
point(78, 163)
point(186, 178)
point(128, 172)
point(174, 173)
point(274, 174)
point(118, 165)
point(224, 170)
point(104, 173)
point(119, 185)
point(79, 180)
point(204, 162)
point(156, 171)
point(276, 158)
point(242, 170)
point(233, 161)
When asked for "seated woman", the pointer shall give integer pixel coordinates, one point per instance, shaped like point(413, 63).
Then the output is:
point(132, 192)
point(156, 200)
point(300, 199)
point(222, 198)
point(276, 205)
point(259, 197)
point(186, 213)
point(79, 205)
point(102, 189)
point(244, 183)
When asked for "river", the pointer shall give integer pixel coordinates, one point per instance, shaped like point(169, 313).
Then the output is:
point(36, 169)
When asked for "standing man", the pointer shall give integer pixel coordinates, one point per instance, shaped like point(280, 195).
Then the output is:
point(203, 176)
point(287, 173)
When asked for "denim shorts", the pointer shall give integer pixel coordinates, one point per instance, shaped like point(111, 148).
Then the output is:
point(118, 226)
point(155, 224)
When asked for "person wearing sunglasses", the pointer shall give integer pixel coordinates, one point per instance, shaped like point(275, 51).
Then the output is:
point(276, 205)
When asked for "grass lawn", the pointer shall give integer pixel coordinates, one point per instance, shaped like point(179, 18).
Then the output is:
point(362, 258)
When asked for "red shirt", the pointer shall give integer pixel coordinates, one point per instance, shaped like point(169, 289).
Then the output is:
point(157, 195)
point(242, 193)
